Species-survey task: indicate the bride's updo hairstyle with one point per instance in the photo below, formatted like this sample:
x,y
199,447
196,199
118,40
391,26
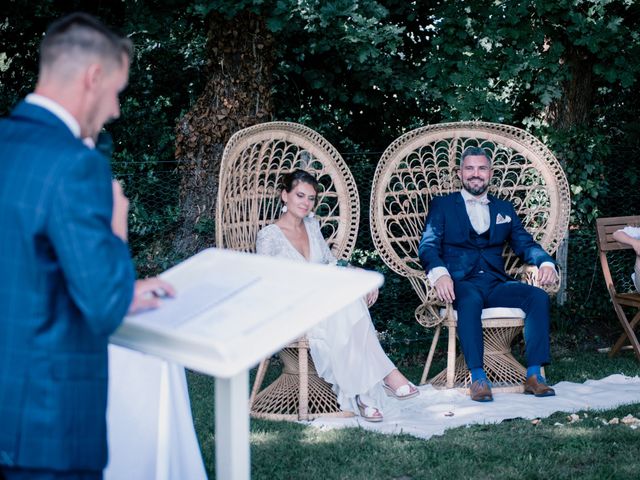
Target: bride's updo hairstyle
x,y
291,179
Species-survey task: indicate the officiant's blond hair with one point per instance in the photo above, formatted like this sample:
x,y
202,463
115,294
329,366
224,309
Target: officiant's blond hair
x,y
79,38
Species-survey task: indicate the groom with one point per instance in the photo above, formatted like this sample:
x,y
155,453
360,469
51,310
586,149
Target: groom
x,y
461,251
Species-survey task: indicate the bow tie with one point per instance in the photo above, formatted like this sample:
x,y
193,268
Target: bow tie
x,y
479,201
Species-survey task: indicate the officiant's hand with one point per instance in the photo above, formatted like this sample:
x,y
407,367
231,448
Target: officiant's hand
x,y
120,211
148,292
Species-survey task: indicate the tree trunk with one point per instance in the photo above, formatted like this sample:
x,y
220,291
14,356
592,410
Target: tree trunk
x,y
237,95
572,110
575,106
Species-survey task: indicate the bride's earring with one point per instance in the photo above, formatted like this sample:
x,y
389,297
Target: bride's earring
x,y
311,215
284,208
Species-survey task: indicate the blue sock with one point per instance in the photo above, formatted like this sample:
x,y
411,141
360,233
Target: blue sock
x,y
533,370
478,374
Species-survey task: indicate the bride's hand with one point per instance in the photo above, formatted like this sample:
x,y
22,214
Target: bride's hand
x,y
371,297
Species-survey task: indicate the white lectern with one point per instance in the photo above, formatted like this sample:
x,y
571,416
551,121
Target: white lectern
x,y
232,310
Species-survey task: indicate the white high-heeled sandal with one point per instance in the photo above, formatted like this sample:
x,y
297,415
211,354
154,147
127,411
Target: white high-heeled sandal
x,y
370,414
404,392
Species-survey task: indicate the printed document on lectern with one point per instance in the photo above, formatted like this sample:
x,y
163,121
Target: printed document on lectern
x,y
234,309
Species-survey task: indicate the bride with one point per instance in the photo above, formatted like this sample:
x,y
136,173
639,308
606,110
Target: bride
x,y
344,347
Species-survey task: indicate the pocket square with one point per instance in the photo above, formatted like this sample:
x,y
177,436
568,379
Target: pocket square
x,y
500,219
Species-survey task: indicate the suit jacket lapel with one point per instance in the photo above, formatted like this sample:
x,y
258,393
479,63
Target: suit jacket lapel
x,y
493,213
461,213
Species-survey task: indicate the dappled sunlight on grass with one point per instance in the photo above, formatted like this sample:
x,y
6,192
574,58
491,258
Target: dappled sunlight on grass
x,y
259,438
315,436
566,431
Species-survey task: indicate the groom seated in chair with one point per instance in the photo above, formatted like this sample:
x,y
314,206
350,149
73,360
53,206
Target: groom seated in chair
x,y
461,251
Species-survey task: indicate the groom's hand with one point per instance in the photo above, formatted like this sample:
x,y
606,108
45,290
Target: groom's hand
x,y
547,276
444,289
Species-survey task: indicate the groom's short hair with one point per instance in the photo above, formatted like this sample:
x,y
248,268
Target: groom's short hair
x,y
474,152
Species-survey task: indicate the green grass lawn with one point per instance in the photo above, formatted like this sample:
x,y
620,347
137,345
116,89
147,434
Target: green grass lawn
x,y
516,449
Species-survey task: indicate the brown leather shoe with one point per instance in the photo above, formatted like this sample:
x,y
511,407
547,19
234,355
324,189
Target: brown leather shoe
x,y
537,385
481,391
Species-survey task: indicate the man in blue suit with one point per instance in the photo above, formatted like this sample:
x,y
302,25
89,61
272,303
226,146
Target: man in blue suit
x,y
461,251
67,278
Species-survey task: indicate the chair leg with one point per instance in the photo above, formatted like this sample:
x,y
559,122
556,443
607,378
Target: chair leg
x,y
427,365
451,357
257,383
628,335
303,366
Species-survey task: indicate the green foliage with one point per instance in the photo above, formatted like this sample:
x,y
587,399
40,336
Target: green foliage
x,y
364,72
165,78
583,153
343,63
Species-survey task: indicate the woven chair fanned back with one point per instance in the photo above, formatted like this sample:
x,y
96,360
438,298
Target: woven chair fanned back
x,y
423,163
253,164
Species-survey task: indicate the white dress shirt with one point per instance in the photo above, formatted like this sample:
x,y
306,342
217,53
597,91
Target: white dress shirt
x,y
57,109
633,232
478,211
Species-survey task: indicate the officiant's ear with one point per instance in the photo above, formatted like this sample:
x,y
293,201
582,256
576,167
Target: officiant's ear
x,y
93,75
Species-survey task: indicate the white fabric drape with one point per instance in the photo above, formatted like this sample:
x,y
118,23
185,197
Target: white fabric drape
x,y
150,428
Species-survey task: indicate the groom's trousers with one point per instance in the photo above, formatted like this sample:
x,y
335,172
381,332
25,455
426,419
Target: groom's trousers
x,y
485,290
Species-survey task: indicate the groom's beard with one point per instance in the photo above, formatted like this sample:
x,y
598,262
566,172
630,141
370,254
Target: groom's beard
x,y
475,190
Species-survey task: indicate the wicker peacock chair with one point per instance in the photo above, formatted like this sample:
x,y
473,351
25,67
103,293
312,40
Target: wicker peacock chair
x,y
253,163
422,164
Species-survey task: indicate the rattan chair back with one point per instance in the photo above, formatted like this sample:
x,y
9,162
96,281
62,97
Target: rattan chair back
x,y
423,163
253,164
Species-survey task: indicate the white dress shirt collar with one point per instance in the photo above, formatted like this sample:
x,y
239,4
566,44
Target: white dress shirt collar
x,y
57,109
483,199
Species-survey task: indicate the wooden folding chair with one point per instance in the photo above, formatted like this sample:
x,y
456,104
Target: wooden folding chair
x,y
616,269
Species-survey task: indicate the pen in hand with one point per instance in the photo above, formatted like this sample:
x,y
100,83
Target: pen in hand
x,y
161,293
148,292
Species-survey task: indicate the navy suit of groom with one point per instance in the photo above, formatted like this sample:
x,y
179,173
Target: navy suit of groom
x,y
66,282
476,266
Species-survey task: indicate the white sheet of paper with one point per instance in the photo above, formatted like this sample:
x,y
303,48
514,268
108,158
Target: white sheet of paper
x,y
194,301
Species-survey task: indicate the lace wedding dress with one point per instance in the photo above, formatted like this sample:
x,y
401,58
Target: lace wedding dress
x,y
344,347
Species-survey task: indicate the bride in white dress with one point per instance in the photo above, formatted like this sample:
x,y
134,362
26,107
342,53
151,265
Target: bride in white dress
x,y
344,347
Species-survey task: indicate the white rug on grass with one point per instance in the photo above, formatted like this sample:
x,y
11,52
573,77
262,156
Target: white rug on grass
x,y
434,411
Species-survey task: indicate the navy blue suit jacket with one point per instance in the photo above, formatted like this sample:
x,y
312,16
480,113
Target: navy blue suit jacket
x,y
65,284
446,238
